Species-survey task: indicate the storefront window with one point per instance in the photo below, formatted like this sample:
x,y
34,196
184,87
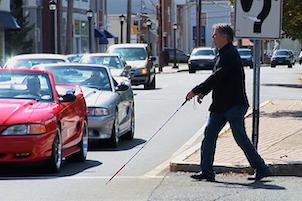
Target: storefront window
x,y
84,28
84,43
77,29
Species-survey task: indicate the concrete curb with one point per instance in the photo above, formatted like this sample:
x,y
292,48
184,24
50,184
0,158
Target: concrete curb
x,y
178,162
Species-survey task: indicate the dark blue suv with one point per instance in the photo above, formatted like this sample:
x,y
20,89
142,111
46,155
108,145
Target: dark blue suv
x,y
283,57
246,57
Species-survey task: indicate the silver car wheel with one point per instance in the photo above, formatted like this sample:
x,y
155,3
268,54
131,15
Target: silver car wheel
x,y
132,122
85,140
116,127
114,139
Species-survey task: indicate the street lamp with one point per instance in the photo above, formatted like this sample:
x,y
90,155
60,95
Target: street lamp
x,y
149,25
89,14
122,20
52,8
174,31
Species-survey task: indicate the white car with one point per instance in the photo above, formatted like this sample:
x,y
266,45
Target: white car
x,y
202,58
30,60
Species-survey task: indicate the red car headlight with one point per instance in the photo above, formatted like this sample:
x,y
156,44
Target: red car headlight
x,y
25,129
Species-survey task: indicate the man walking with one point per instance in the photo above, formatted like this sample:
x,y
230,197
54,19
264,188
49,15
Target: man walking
x,y
229,104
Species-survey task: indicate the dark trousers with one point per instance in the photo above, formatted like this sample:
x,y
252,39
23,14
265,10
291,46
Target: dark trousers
x,y
235,117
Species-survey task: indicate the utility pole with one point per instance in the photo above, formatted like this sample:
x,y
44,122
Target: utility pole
x,y
59,24
198,23
129,11
68,49
160,35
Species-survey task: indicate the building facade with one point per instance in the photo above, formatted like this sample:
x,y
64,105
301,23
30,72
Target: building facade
x,y
213,12
40,16
7,22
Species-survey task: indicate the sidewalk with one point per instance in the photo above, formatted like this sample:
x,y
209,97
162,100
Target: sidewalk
x,y
280,143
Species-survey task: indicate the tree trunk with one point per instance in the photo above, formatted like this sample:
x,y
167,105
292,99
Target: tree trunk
x,y
69,41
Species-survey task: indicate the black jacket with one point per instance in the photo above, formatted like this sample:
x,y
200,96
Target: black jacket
x,y
227,81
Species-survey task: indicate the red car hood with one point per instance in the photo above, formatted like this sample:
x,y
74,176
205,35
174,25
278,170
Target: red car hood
x,y
14,111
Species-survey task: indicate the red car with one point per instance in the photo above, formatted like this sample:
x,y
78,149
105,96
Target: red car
x,y
41,121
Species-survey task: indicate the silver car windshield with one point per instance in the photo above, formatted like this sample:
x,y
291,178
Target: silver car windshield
x,y
25,85
92,77
110,61
28,63
203,52
131,54
245,53
281,53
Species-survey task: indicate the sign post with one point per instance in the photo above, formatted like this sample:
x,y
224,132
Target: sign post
x,y
257,19
256,94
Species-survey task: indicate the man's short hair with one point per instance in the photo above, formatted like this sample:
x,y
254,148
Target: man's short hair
x,y
33,80
225,29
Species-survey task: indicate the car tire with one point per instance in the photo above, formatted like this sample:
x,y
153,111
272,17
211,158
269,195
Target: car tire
x,y
82,154
290,65
130,134
114,139
54,163
251,66
273,66
150,85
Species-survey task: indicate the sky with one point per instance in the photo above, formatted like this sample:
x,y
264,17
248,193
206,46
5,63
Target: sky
x,y
148,6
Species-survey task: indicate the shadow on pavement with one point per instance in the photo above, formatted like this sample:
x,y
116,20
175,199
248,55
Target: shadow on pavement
x,y
253,185
283,113
299,86
123,145
142,89
38,171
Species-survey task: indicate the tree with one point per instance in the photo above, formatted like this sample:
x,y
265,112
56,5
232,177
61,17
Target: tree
x,y
291,19
16,41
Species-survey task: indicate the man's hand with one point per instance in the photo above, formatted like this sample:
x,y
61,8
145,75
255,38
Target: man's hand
x,y
190,95
199,98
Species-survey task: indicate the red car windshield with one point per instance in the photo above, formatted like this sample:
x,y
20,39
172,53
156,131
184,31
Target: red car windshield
x,y
25,85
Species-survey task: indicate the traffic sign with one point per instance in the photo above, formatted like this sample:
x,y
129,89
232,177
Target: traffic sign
x,y
258,18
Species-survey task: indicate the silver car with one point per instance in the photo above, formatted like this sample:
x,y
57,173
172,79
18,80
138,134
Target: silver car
x,y
114,62
110,104
202,58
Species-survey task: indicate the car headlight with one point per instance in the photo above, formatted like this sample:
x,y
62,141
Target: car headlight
x,y
144,71
25,129
98,111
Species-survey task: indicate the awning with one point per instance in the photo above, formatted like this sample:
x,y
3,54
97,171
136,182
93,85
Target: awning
x,y
8,21
108,34
244,42
102,37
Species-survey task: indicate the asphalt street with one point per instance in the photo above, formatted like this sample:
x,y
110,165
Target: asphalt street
x,y
153,107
